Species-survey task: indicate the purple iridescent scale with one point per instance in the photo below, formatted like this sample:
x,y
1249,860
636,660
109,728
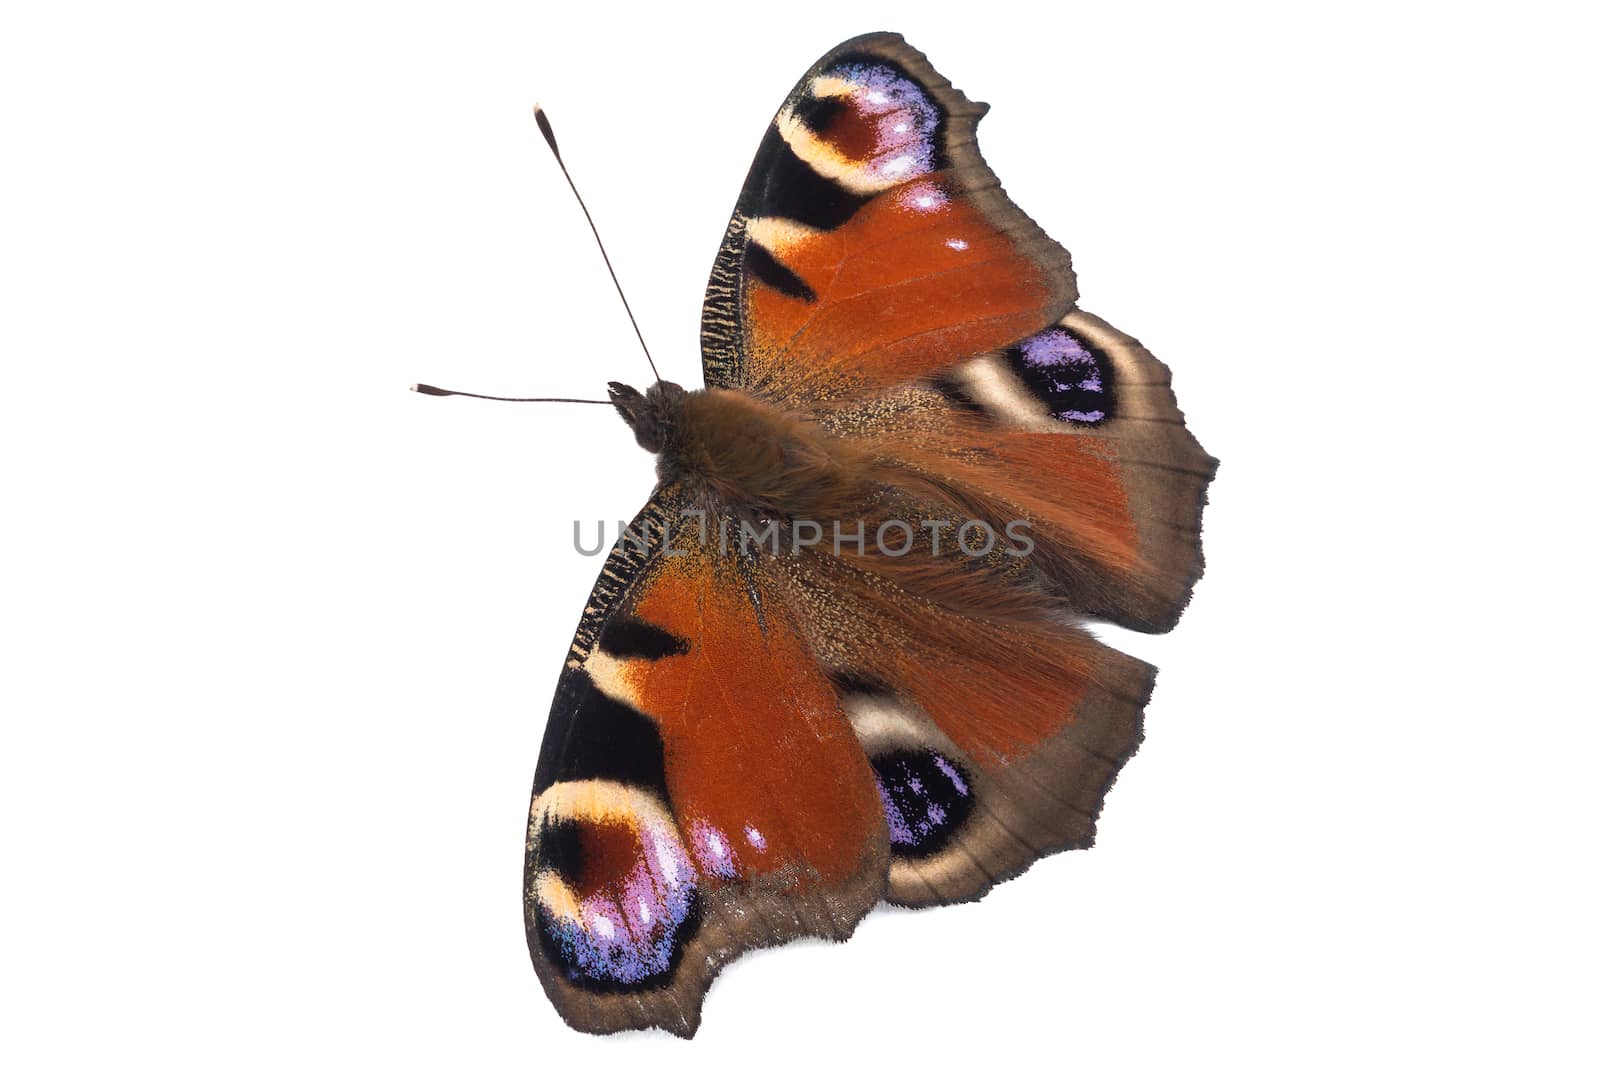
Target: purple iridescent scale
x,y
925,798
632,936
905,120
1073,380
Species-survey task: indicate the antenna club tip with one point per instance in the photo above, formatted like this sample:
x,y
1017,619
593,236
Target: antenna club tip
x,y
429,390
548,133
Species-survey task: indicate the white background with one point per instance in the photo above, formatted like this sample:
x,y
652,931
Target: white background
x,y
279,635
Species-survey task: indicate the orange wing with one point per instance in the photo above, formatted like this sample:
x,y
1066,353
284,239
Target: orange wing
x,y
871,244
700,791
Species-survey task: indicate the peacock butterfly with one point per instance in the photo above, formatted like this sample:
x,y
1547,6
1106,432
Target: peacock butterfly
x,y
838,656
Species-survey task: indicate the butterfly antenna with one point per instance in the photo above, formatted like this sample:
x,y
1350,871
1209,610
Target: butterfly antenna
x,y
550,139
434,390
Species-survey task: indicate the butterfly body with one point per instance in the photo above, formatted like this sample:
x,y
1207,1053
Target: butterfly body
x,y
743,458
838,657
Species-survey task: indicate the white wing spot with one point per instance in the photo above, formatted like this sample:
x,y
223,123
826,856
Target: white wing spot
x,y
897,166
669,862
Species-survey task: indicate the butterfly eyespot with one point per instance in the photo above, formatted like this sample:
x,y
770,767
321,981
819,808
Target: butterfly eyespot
x,y
614,892
894,119
819,112
1071,378
926,797
862,123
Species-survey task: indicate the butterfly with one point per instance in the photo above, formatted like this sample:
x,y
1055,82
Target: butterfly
x,y
838,658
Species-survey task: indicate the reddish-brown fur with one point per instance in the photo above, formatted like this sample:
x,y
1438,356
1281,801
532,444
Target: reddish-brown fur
x,y
748,459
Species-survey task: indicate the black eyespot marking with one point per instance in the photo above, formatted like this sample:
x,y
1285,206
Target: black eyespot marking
x,y
760,263
1071,377
818,112
560,848
628,638
926,797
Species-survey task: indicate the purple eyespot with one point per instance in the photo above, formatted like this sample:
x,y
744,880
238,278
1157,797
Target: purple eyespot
x,y
926,798
1073,379
624,932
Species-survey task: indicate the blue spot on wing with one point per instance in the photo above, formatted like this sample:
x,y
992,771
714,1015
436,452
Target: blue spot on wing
x,y
1073,379
926,798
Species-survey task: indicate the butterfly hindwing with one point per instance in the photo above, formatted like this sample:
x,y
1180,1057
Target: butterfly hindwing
x,y
993,736
1075,431
1083,390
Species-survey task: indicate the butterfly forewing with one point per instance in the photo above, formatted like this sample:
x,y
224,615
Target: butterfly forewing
x,y
871,244
701,790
